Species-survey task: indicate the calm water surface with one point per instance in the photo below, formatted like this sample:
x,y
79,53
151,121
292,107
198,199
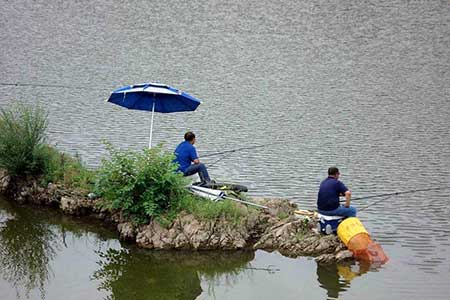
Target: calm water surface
x,y
361,85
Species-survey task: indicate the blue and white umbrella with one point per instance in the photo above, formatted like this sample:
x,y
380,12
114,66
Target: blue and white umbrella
x,y
153,97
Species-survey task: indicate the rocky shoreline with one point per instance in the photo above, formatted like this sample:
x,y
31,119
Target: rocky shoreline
x,y
280,230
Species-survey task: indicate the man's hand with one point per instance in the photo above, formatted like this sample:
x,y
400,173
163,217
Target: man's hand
x,y
196,161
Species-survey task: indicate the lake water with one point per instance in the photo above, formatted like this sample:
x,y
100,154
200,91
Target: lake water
x,y
362,85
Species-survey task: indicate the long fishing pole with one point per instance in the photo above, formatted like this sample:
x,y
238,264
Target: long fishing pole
x,y
373,203
400,193
389,195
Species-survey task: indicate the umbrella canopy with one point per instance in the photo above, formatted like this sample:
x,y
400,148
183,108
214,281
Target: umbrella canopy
x,y
153,97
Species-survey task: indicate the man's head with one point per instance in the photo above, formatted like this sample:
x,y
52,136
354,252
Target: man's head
x,y
189,137
334,172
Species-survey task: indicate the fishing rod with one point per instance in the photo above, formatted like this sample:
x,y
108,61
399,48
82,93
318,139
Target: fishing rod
x,y
400,193
389,195
373,203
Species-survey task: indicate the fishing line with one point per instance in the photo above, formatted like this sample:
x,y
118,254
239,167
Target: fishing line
x,y
18,84
215,162
228,153
234,150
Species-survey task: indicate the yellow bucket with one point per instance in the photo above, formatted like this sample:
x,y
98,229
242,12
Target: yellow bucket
x,y
350,227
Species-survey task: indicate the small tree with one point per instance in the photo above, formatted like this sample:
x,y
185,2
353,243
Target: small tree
x,y
22,137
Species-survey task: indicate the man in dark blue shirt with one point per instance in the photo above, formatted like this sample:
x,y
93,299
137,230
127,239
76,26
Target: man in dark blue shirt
x,y
185,154
329,192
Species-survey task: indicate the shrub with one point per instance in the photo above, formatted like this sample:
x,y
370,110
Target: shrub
x,y
142,184
22,148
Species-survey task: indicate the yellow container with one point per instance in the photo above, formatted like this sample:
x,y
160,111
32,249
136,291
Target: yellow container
x,y
349,228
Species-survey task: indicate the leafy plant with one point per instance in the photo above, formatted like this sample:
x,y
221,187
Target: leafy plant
x,y
142,184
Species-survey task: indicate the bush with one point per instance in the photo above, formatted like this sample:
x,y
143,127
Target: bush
x,y
142,184
22,148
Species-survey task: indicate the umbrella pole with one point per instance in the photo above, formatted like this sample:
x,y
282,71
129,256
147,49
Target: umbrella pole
x,y
151,127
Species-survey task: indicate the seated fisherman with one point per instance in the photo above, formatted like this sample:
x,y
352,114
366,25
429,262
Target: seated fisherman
x,y
329,192
185,153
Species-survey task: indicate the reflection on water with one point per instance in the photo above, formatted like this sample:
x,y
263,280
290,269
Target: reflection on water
x,y
141,274
39,246
27,245
335,278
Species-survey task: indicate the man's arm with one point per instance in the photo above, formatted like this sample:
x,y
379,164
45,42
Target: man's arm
x,y
194,156
348,197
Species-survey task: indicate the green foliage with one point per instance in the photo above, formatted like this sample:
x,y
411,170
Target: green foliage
x,y
141,184
67,170
22,148
282,215
304,229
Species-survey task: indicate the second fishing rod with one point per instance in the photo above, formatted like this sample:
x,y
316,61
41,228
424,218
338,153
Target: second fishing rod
x,y
386,196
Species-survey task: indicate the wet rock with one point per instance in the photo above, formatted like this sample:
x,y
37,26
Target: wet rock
x,y
4,181
340,256
75,206
326,258
343,255
127,231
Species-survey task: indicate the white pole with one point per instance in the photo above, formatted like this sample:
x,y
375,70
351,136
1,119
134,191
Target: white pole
x,y
151,126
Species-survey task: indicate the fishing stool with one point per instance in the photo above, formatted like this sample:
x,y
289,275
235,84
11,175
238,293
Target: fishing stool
x,y
328,224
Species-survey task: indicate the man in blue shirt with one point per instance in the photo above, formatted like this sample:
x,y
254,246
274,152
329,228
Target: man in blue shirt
x,y
185,154
329,192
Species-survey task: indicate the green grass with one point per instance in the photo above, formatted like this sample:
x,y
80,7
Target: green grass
x,y
62,168
205,209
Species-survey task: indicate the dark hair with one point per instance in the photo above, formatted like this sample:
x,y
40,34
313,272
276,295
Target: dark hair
x,y
333,171
189,136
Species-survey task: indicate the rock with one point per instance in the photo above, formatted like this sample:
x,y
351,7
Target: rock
x,y
325,258
75,206
5,179
127,231
343,255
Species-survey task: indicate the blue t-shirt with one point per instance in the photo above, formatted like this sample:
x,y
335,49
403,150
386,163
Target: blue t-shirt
x,y
185,153
329,192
